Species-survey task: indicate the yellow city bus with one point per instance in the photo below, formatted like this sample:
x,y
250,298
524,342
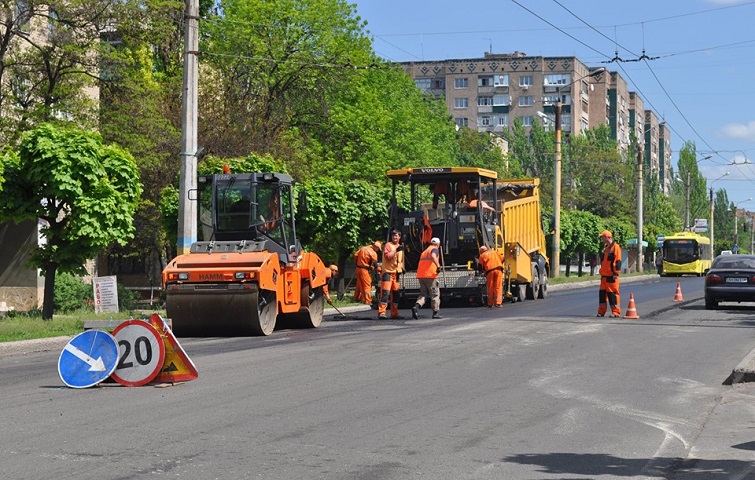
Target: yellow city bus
x,y
686,253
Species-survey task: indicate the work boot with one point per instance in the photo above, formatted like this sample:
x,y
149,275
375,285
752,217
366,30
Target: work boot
x,y
436,315
396,317
415,309
599,315
382,317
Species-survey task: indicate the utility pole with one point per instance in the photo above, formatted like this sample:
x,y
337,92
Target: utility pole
x,y
639,211
556,256
686,210
712,238
187,209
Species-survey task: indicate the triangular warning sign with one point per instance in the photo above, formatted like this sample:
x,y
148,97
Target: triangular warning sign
x,y
177,367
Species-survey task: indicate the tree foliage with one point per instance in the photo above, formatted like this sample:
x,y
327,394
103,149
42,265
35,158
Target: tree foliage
x,y
381,121
85,192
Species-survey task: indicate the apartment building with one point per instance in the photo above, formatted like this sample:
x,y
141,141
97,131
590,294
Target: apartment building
x,y
664,156
486,94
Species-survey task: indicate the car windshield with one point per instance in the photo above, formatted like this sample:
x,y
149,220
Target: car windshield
x,y
735,261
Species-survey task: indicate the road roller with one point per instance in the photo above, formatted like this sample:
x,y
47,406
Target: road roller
x,y
247,272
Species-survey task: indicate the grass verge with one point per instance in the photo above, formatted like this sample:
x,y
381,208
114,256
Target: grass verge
x,y
22,326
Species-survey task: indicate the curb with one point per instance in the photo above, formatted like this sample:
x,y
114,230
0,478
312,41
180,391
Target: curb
x,y
22,347
745,371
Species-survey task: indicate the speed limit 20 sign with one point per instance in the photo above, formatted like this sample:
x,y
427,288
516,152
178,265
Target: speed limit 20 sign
x,y
141,353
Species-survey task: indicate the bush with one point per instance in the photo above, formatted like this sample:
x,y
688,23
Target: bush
x,y
72,294
126,298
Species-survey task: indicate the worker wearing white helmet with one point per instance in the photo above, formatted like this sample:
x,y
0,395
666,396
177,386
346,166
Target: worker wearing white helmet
x,y
427,275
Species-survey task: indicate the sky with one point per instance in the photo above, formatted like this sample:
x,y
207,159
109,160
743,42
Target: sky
x,y
700,82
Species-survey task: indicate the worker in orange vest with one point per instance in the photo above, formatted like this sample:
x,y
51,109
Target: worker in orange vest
x,y
610,266
491,263
427,275
330,272
393,266
365,259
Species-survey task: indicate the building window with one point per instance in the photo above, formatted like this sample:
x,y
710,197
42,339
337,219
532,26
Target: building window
x,y
483,121
462,122
462,102
423,83
485,81
461,83
526,81
484,101
526,120
501,80
551,99
556,79
438,84
526,101
501,100
503,120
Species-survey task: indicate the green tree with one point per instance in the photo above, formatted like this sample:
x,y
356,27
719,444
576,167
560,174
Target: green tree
x,y
600,180
270,67
85,192
579,236
690,183
723,221
380,121
340,217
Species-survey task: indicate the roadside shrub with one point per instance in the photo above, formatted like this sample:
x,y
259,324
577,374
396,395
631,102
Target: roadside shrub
x,y
72,294
126,299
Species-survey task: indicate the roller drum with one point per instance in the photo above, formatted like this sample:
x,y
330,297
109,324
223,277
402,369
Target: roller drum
x,y
221,310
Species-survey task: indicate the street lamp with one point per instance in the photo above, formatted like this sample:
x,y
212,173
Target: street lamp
x,y
712,238
556,255
736,222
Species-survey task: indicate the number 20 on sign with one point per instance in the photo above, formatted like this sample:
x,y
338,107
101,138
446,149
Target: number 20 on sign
x,y
141,353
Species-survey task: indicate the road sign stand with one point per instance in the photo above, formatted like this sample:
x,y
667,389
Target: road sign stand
x,y
178,367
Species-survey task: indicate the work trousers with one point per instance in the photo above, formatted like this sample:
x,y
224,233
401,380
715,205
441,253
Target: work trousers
x,y
363,292
609,295
494,281
429,288
389,285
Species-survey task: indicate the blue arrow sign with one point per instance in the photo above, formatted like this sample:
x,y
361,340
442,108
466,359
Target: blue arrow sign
x,y
88,359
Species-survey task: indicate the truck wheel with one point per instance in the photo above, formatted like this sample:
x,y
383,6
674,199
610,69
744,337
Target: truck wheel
x,y
543,292
533,288
518,293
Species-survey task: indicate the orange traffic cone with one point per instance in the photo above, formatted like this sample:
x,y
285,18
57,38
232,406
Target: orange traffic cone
x,y
678,296
631,309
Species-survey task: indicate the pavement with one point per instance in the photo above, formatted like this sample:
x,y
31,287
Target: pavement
x,y
723,449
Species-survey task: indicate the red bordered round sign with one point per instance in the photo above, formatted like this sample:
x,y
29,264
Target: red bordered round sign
x,y
141,353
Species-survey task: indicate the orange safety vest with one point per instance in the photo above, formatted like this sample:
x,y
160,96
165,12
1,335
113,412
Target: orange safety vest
x,y
393,260
610,263
427,267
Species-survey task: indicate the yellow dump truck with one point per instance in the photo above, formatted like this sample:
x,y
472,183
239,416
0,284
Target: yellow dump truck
x,y
522,239
467,207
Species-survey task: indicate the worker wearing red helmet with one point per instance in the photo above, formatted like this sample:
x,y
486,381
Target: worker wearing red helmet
x,y
610,266
366,259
